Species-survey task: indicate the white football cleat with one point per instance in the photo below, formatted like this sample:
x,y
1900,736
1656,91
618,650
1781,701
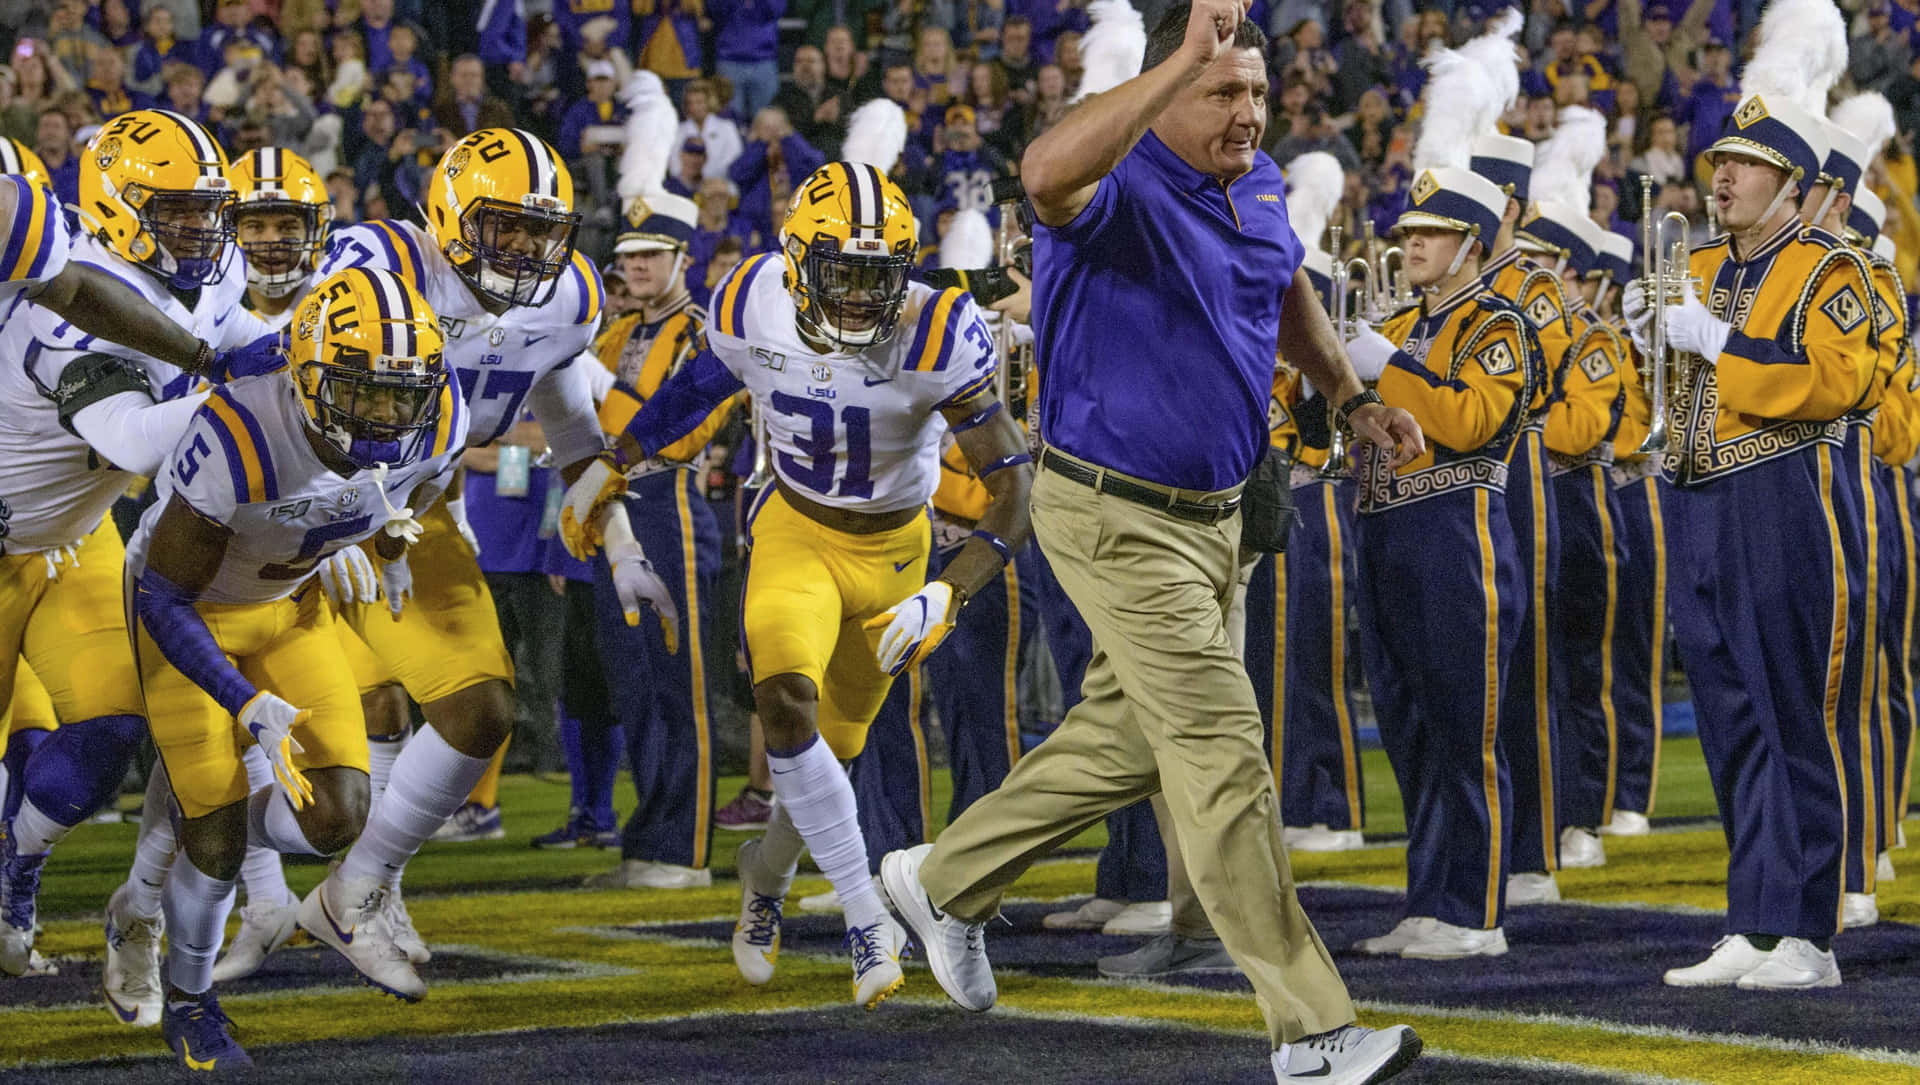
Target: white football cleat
x,y
1580,849
1349,1055
956,950
1627,823
1732,957
1446,942
130,982
264,927
1090,916
1794,965
1532,889
1318,837
1405,933
1142,917
400,926
876,961
1858,910
756,936
347,916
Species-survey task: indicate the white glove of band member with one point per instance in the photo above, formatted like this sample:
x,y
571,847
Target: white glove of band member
x,y
1637,311
913,627
597,487
1307,390
1691,328
635,583
396,584
271,722
457,508
347,577
1370,352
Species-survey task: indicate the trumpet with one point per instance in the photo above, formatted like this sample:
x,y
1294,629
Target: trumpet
x,y
1348,317
1012,248
1667,281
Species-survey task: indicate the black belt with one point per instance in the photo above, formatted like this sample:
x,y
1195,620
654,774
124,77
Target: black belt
x,y
1198,512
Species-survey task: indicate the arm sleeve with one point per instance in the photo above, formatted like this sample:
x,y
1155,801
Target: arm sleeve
x,y
562,401
1830,372
1589,411
1465,412
182,634
241,329
683,402
132,432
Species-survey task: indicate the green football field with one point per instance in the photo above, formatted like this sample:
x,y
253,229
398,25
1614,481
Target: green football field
x,y
535,976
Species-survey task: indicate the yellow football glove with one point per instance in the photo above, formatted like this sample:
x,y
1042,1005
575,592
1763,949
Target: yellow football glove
x,y
598,486
913,628
271,722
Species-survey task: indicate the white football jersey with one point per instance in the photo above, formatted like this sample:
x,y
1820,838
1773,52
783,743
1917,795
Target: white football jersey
x,y
497,360
55,488
857,430
245,462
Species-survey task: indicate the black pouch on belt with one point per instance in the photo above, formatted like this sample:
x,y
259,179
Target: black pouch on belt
x,y
1266,504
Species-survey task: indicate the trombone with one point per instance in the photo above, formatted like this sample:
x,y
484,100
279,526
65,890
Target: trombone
x,y
1669,283
1347,319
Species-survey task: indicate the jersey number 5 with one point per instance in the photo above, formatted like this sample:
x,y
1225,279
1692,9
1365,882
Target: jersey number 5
x,y
817,471
312,547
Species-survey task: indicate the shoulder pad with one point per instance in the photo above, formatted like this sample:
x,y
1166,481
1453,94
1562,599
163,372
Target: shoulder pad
x,y
382,244
249,462
936,328
728,305
590,294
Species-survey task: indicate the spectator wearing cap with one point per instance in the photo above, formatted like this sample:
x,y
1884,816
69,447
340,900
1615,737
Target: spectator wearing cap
x,y
1876,58
1655,48
774,161
1711,101
464,105
702,121
598,108
157,47
963,167
668,40
746,49
689,166
817,107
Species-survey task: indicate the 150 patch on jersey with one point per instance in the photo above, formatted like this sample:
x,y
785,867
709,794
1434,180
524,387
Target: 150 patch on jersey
x,y
1844,309
1496,358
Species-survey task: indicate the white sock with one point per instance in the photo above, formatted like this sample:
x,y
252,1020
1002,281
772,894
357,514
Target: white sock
x,y
819,798
430,780
153,852
197,907
780,845
260,872
271,824
382,752
34,833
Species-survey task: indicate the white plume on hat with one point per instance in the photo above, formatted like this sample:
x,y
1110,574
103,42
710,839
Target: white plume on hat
x,y
1467,90
651,126
876,134
1799,55
1315,183
1114,47
969,241
1563,166
1869,117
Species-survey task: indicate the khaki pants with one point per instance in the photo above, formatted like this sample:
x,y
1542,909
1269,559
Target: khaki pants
x,y
1168,709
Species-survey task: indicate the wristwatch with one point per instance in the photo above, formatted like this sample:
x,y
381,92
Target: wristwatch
x,y
1345,410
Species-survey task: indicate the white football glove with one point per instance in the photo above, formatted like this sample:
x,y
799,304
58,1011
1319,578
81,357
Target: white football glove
x,y
1691,328
634,581
271,722
1370,352
396,583
348,577
913,628
1637,311
596,487
457,508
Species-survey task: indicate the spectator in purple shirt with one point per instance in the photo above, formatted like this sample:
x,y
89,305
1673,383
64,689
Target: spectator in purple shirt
x,y
1707,108
776,158
157,47
466,106
53,142
598,108
231,23
746,48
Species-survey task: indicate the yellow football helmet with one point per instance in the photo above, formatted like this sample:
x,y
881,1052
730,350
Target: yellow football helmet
x,y
18,158
849,238
277,190
500,206
367,366
154,188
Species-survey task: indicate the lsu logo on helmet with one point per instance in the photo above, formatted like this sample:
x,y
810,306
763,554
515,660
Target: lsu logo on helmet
x,y
500,206
282,218
849,239
154,189
367,367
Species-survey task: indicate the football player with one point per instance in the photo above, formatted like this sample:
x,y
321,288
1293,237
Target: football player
x,y
281,222
517,305
235,646
96,397
859,372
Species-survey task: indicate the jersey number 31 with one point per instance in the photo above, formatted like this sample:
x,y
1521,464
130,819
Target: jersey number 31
x,y
816,471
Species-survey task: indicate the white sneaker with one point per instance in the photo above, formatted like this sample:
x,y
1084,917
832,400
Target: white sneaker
x,y
1732,957
1446,942
821,903
671,876
1794,965
400,926
1142,917
1580,849
265,926
1899,837
1320,838
756,936
1531,889
1627,823
1883,867
1858,910
876,961
1090,916
348,917
956,950
1350,1055
1404,934
130,981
